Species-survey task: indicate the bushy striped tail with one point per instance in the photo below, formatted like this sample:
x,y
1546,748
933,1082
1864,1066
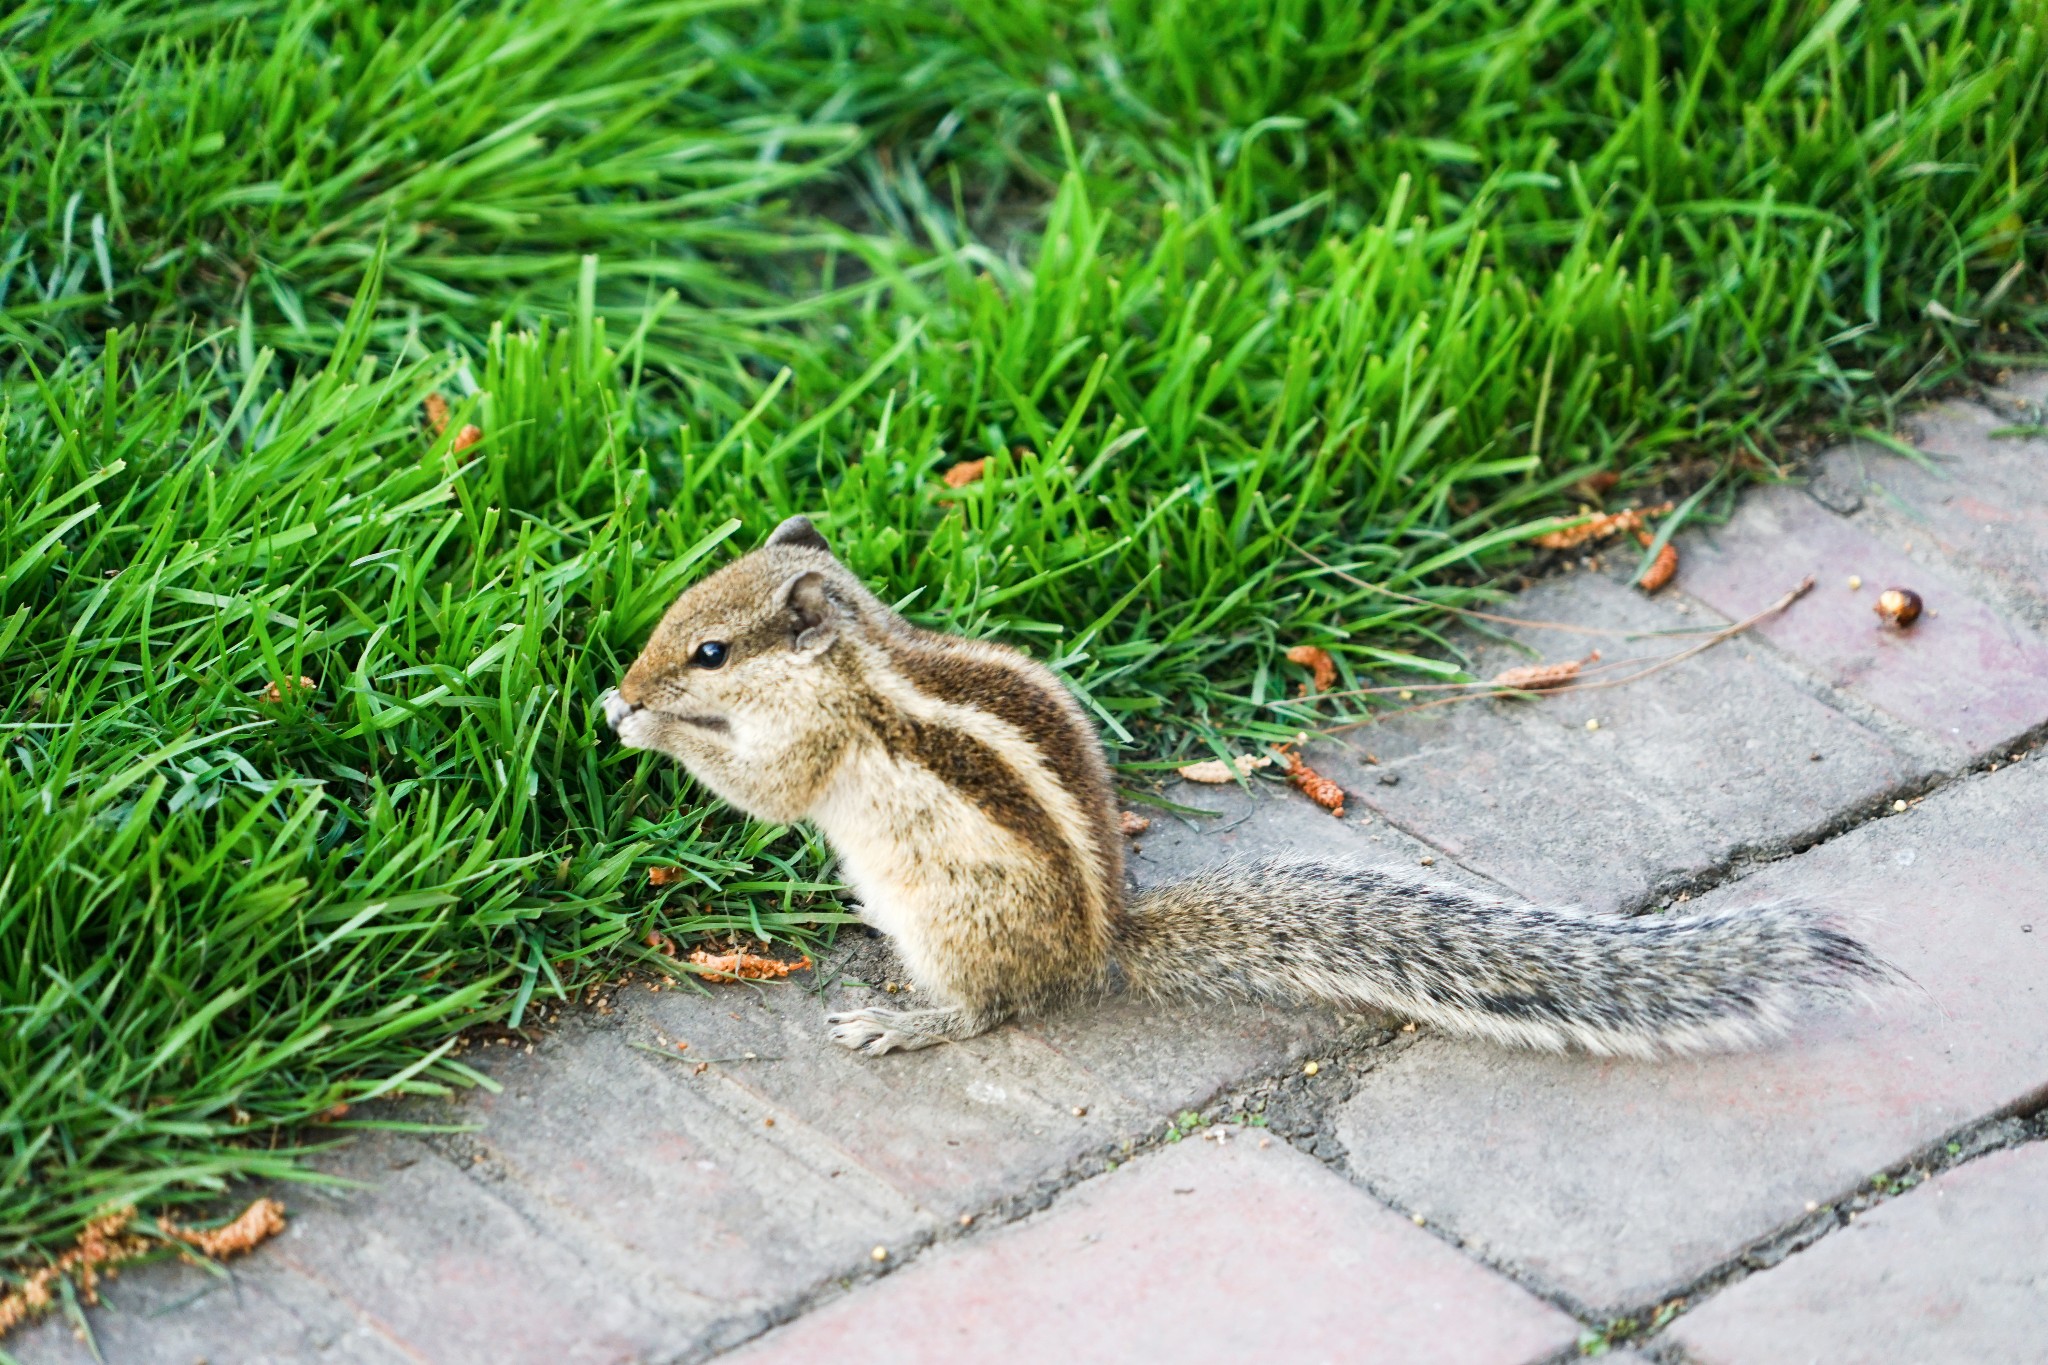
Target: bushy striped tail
x,y
1305,932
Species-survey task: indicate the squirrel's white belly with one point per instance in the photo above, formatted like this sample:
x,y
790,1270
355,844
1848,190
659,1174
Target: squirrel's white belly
x,y
916,852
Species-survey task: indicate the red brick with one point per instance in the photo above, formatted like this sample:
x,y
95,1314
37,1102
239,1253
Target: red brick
x,y
1616,1182
1976,500
1964,676
1952,1270
1198,1253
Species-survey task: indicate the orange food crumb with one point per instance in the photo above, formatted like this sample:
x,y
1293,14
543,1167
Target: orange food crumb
x,y
1313,784
104,1244
1662,568
257,1224
964,473
1318,660
437,413
467,437
1600,527
663,876
745,966
274,693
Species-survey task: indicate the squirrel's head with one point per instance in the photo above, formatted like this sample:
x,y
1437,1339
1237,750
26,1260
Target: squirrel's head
x,y
737,680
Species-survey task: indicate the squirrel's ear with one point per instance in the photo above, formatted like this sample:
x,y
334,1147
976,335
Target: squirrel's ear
x,y
799,532
814,614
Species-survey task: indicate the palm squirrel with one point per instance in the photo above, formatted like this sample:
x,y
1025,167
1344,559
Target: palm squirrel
x,y
967,796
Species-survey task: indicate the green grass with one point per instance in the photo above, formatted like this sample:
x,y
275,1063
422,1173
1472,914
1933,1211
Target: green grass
x,y
1202,281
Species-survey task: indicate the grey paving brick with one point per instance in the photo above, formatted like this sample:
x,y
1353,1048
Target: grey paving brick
x,y
1202,1252
1728,745
1954,1270
420,1264
1522,801
1977,499
1617,1182
1742,754
436,1264
1165,1058
952,1129
1689,767
726,1208
1966,677
176,1314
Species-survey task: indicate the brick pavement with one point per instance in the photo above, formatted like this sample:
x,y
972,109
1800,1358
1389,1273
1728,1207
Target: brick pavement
x,y
1212,1249
609,1202
1955,1270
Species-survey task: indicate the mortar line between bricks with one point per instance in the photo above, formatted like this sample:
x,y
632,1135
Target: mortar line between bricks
x,y
2019,1124
1743,861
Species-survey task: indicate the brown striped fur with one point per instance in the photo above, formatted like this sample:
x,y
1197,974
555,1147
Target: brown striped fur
x,y
966,794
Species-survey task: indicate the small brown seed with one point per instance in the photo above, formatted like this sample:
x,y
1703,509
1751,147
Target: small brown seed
x,y
1899,607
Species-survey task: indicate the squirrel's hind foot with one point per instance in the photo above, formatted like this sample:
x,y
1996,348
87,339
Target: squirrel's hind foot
x,y
876,1031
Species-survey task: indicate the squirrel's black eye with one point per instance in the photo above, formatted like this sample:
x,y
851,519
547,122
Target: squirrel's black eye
x,y
710,654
